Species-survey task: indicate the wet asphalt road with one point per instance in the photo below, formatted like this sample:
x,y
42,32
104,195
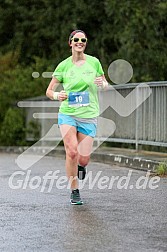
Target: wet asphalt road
x,y
112,219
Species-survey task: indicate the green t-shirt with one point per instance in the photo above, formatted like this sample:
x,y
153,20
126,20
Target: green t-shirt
x,y
78,79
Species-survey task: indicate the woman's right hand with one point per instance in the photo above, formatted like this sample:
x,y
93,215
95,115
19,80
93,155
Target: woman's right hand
x,y
62,95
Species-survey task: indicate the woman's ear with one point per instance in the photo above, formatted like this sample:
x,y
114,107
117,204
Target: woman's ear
x,y
69,43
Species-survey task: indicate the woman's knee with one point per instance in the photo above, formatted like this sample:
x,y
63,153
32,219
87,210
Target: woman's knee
x,y
83,160
71,152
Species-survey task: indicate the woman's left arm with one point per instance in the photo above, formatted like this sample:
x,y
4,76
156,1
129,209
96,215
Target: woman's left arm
x,y
101,82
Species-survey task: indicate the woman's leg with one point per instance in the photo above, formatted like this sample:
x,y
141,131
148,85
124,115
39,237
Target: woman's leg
x,y
69,135
85,145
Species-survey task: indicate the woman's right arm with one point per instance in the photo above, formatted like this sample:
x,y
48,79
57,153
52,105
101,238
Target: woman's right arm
x,y
51,94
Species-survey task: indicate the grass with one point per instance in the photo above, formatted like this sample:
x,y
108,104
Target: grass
x,y
161,169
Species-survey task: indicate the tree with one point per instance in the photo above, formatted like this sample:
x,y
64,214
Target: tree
x,y
139,34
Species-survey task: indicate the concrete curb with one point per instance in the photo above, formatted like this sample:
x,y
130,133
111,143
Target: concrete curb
x,y
126,161
138,163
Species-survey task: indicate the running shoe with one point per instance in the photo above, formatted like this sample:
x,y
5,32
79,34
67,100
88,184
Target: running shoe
x,y
75,198
81,172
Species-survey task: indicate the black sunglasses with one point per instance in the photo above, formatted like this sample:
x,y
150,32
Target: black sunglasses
x,y
83,40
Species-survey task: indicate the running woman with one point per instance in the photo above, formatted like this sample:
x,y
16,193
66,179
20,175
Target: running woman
x,y
80,75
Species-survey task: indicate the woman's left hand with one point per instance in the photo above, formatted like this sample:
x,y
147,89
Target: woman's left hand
x,y
99,81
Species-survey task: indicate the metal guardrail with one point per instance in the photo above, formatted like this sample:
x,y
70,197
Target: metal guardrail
x,y
146,125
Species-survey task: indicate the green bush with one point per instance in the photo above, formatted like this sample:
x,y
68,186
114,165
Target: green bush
x,y
13,128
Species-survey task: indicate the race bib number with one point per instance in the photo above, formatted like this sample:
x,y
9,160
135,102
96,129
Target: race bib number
x,y
77,99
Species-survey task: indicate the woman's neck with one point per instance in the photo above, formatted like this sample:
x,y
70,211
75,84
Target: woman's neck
x,y
76,56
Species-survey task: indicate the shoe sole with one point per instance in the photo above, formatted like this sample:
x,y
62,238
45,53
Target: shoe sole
x,y
76,203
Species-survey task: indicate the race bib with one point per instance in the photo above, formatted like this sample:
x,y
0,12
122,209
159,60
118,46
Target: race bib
x,y
77,99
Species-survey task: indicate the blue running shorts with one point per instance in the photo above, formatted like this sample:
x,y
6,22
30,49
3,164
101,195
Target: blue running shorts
x,y
82,127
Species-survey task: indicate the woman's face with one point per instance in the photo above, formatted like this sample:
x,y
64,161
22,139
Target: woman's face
x,y
78,42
